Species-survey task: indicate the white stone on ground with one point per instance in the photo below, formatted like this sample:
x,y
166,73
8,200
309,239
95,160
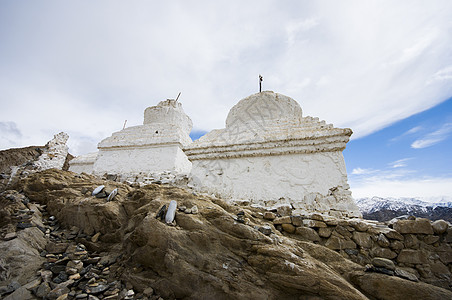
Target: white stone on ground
x,y
171,212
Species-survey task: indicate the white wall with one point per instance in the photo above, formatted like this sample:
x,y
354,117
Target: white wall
x,y
133,160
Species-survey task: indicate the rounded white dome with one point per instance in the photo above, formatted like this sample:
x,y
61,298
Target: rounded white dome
x,y
264,109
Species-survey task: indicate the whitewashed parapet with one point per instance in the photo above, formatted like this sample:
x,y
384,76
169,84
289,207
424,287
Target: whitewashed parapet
x,y
271,155
83,163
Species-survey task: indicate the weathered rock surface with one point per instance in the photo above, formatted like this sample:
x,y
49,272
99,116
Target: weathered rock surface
x,y
206,255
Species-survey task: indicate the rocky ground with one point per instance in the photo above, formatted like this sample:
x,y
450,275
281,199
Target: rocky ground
x,y
60,242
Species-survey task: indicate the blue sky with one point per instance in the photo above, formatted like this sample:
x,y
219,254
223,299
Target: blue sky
x,y
376,66
409,158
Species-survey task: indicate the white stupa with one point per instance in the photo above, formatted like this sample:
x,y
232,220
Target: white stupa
x,y
271,155
156,146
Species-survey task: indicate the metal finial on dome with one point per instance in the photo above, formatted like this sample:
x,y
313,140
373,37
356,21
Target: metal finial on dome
x,y
260,82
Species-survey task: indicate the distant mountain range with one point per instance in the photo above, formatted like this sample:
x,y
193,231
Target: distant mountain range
x,y
385,209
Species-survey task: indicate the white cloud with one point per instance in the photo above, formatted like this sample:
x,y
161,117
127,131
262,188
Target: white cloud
x,y
85,67
433,137
414,130
295,28
430,187
398,181
400,163
360,171
443,74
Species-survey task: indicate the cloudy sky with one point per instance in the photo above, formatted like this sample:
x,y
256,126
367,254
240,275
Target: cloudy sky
x,y
381,68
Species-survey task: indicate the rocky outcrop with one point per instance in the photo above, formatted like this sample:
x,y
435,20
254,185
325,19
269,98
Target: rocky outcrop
x,y
18,157
215,250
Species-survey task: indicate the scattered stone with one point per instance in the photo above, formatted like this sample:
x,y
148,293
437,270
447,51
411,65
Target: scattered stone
x,y
382,240
10,236
317,217
112,195
95,237
182,208
148,292
392,234
359,225
76,264
171,213
98,190
313,223
268,215
20,294
396,245
284,210
384,271
161,213
343,231
75,276
297,221
412,257
56,248
43,290
282,220
60,289
63,297
431,239
362,239
383,263
96,289
405,275
383,252
419,225
411,241
81,296
46,275
129,294
57,269
33,284
308,233
103,194
267,230
23,225
325,232
440,226
289,228
194,209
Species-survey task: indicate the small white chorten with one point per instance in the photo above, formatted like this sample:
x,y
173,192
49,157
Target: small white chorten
x,y
156,146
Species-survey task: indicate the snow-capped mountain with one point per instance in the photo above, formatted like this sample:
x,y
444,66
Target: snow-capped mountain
x,y
384,209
